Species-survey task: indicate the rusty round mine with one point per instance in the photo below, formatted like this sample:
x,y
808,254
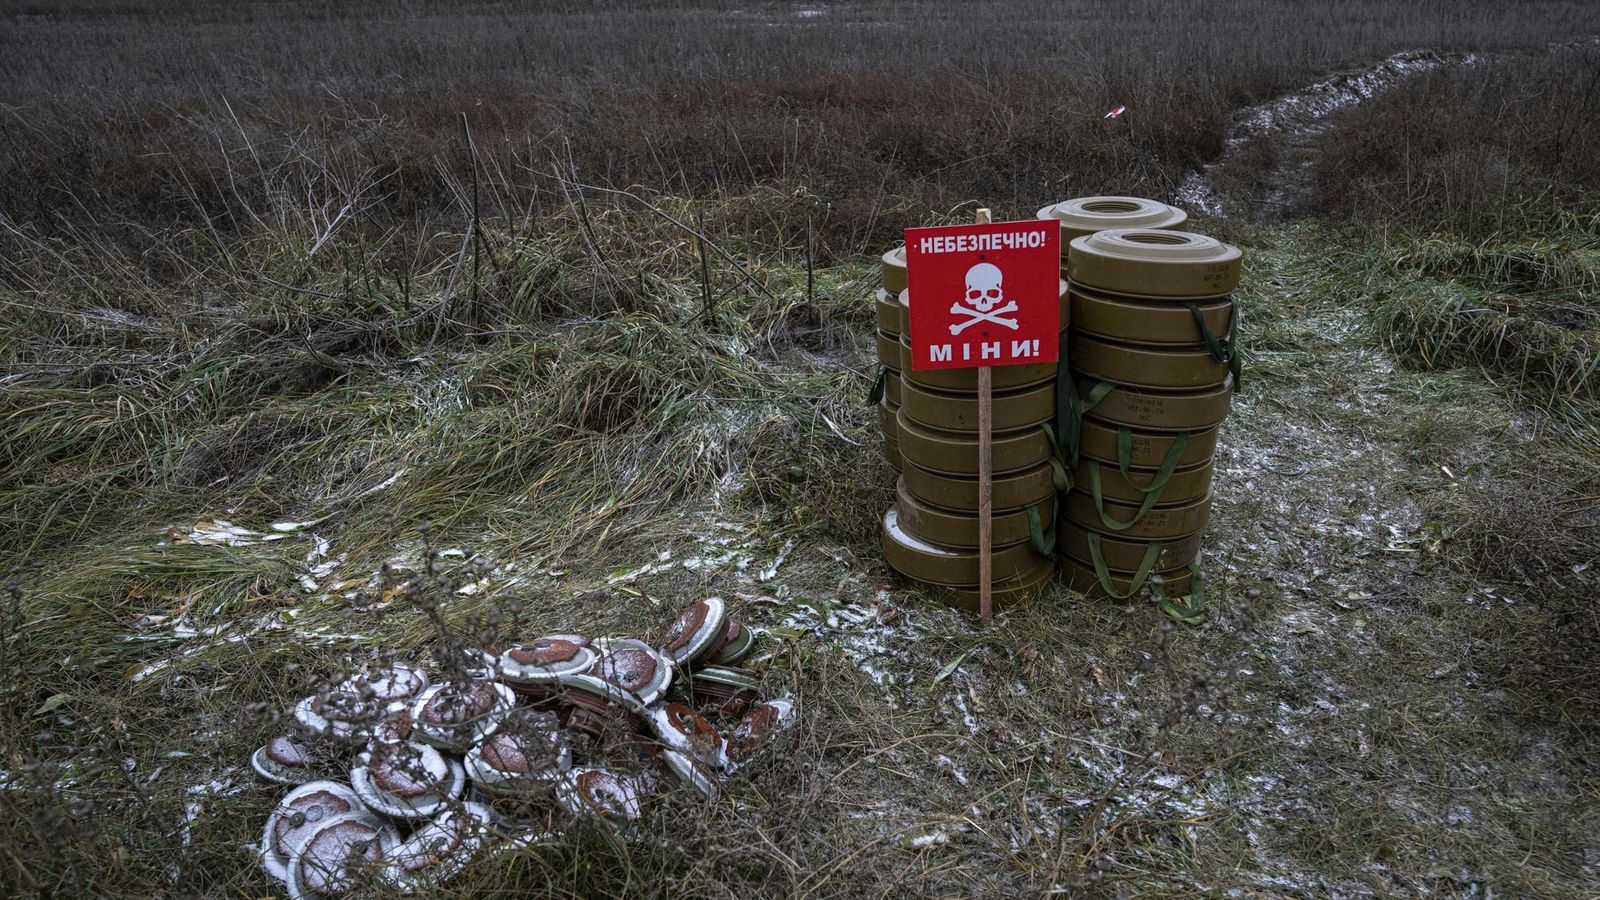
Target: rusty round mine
x,y
596,704
1015,409
696,629
960,529
919,560
888,349
727,689
1147,367
388,684
1153,410
681,728
956,453
1125,555
629,668
1157,523
1082,578
1147,449
1143,262
297,816
888,311
1005,592
1087,215
544,652
1157,322
438,850
338,854
407,780
965,381
894,270
1181,486
736,644
285,760
609,797
758,730
959,493
453,716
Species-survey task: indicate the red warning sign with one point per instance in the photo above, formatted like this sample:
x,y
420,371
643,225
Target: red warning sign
x,y
984,295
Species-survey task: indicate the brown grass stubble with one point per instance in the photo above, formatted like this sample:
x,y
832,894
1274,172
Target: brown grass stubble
x,y
1465,149
130,118
866,154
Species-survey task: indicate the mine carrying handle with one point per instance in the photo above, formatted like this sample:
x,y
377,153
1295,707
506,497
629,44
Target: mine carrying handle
x,y
1225,351
1193,610
1102,572
1152,492
1190,612
1043,541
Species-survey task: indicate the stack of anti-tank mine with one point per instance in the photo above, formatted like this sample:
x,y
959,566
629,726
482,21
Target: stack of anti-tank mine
x,y
890,332
930,534
1152,369
1103,462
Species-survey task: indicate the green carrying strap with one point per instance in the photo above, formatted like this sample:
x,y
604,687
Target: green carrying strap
x,y
1152,491
1225,351
1069,424
1190,610
1058,469
875,395
1042,541
1103,574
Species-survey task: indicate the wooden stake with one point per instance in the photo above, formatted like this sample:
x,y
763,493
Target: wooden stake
x,y
985,481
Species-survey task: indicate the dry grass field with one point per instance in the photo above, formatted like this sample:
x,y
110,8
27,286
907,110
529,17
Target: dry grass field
x,y
425,280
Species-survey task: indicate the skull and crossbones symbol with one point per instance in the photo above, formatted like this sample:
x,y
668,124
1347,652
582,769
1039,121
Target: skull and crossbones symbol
x,y
984,298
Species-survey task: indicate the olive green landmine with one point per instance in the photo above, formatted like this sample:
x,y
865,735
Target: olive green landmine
x,y
1181,486
948,528
1153,410
956,453
1146,367
892,386
888,308
1161,523
1003,593
947,411
1082,578
1146,449
1138,262
959,493
916,558
894,270
1083,216
889,424
888,349
1124,555
1139,320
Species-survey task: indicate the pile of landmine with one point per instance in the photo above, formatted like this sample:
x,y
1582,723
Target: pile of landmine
x,y
1102,461
557,726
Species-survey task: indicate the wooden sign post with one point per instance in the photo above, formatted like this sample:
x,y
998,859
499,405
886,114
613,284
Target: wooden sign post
x,y
984,295
985,479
